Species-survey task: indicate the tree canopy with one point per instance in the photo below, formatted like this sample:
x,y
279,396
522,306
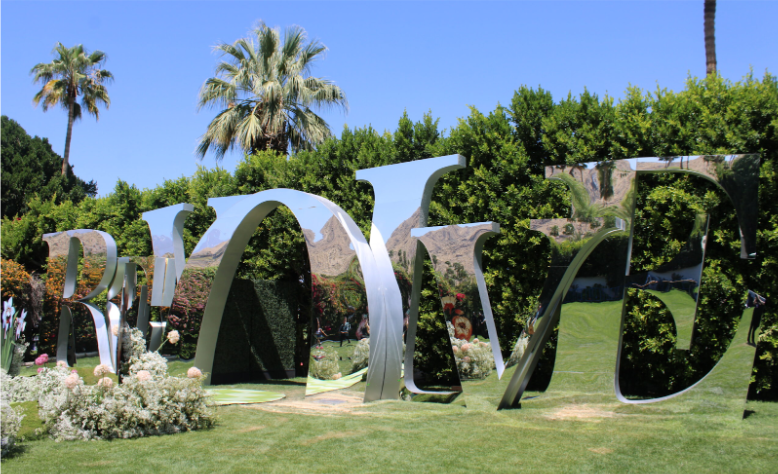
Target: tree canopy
x,y
31,168
269,94
72,74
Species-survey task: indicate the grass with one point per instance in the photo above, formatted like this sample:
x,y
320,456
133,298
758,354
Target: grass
x,y
565,434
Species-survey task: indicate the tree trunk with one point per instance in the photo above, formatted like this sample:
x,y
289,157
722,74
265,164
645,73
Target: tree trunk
x,y
65,160
710,36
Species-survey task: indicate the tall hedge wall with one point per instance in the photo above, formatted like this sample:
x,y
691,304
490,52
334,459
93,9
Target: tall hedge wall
x,y
506,150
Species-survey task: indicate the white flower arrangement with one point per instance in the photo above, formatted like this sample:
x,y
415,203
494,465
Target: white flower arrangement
x,y
150,362
147,402
10,417
474,359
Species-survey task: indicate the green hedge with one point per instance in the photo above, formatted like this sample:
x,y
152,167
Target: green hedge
x,y
507,150
258,337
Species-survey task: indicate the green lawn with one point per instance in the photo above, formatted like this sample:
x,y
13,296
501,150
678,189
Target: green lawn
x,y
295,435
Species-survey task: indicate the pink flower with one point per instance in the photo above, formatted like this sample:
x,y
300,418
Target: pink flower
x,y
483,344
62,363
101,370
466,359
173,336
105,382
466,347
337,376
40,369
72,381
194,373
456,349
45,357
74,371
144,375
475,341
39,361
460,296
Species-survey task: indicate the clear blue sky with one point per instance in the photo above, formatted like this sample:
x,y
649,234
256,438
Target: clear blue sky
x,y
387,57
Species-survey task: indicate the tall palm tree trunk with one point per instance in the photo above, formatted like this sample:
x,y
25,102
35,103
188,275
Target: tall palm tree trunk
x,y
65,161
710,36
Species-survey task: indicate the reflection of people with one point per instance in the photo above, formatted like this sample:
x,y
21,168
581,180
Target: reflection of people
x,y
363,330
758,303
531,325
319,334
344,330
405,322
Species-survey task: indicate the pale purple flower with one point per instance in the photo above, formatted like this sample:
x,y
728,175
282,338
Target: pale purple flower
x,y
194,373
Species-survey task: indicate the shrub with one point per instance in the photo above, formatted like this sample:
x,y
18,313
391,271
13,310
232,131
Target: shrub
x,y
324,364
361,355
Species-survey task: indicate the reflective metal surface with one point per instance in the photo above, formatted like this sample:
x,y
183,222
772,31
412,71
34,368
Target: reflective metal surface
x,y
585,297
737,175
455,251
590,314
725,388
677,283
402,197
205,282
66,288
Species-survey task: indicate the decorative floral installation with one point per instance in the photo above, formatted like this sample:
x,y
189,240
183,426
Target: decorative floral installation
x,y
474,359
147,402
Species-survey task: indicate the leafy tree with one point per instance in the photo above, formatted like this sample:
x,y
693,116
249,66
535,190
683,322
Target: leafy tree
x,y
73,73
30,168
268,93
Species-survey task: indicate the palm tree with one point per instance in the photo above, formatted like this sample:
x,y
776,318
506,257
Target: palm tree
x,y
268,93
72,74
710,37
